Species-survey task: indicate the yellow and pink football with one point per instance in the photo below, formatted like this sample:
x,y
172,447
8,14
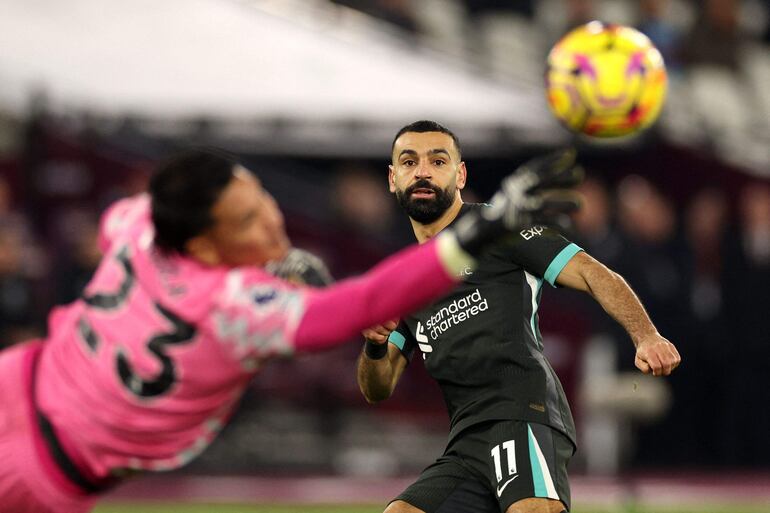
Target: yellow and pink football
x,y
605,80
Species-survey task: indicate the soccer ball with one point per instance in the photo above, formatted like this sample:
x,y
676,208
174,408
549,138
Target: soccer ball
x,y
605,80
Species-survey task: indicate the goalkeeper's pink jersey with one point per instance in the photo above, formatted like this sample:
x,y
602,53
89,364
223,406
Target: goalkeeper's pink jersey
x,y
145,369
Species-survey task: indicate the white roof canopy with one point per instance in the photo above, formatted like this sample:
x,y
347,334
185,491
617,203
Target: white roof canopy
x,y
242,60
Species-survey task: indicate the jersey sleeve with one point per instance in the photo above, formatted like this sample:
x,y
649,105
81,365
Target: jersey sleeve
x,y
541,251
397,286
265,316
120,217
402,338
256,315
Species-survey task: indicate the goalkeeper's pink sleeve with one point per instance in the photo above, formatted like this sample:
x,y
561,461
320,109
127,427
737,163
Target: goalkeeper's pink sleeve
x,y
396,287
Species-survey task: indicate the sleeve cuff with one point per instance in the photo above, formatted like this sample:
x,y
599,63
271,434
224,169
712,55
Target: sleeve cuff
x,y
558,263
397,339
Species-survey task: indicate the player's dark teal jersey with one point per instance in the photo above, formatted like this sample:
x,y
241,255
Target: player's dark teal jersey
x,y
482,342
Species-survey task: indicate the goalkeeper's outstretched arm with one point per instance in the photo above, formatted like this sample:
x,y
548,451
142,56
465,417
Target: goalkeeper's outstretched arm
x,y
397,286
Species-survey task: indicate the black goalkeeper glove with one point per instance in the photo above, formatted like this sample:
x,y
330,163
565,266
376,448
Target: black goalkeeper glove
x,y
538,189
301,267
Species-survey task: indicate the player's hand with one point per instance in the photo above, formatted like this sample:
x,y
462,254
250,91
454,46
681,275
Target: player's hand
x,y
538,187
379,334
301,267
536,190
656,355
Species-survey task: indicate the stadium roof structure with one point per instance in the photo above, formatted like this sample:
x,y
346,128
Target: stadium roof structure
x,y
251,65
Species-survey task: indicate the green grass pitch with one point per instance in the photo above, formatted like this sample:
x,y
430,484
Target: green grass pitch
x,y
234,508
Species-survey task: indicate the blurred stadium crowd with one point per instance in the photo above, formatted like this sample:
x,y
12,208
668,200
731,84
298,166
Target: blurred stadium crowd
x,y
712,49
687,224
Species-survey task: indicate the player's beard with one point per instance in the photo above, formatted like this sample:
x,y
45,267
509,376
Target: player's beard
x,y
425,211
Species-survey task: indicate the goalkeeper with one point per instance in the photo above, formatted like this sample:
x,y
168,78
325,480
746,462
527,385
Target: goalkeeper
x,y
142,372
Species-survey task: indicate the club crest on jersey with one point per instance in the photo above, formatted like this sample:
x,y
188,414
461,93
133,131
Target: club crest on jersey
x,y
422,339
530,233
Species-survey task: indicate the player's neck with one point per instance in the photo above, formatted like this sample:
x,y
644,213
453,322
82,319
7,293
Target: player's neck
x,y
425,232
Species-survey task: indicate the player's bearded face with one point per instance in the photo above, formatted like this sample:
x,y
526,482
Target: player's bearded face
x,y
426,174
422,209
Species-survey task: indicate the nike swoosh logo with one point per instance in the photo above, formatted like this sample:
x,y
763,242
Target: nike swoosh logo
x,y
501,488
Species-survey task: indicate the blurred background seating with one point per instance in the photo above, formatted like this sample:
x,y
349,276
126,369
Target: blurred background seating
x,y
683,212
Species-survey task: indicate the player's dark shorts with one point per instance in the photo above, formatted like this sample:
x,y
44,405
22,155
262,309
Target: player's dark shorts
x,y
490,466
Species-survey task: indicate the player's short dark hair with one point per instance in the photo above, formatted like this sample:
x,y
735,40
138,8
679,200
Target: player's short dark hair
x,y
183,189
425,125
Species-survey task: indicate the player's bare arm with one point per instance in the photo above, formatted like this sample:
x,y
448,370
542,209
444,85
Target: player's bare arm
x,y
378,377
654,353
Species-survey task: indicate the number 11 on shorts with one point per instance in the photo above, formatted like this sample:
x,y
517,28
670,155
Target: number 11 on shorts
x,y
510,455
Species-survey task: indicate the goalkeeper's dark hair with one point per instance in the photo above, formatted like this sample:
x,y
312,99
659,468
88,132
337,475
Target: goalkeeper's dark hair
x,y
183,189
423,126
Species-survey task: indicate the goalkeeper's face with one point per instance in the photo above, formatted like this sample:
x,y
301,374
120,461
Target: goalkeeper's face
x,y
426,175
248,226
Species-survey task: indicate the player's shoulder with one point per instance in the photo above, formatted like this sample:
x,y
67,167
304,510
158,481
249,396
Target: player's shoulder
x,y
469,207
526,233
201,291
253,286
126,211
122,216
